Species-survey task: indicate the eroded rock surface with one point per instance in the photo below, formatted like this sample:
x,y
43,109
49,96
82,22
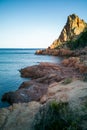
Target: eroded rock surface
x,y
63,52
48,82
42,76
19,116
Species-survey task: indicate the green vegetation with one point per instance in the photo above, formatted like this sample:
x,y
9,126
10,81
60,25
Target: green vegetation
x,y
56,116
67,81
81,42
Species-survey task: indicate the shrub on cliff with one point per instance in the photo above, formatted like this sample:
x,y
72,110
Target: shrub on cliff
x,y
67,81
81,42
56,116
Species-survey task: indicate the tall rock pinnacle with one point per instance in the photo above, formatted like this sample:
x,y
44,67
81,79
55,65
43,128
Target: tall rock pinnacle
x,y
73,28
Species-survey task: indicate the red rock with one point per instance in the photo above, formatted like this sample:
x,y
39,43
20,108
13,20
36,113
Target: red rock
x,y
43,99
65,62
65,52
82,68
39,52
42,76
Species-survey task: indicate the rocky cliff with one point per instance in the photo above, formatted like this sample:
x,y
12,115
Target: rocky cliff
x,y
73,28
65,83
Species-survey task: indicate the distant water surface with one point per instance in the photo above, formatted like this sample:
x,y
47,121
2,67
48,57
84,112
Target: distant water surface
x,y
11,61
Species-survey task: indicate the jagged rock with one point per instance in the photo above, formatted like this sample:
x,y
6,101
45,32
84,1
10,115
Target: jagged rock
x,y
39,52
65,52
73,28
71,61
73,36
56,52
76,63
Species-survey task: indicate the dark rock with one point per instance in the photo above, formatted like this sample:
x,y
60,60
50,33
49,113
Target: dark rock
x,y
26,93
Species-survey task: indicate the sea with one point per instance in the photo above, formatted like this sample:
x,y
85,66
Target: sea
x,y
11,61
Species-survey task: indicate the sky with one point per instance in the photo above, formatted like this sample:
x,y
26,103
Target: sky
x,y
35,23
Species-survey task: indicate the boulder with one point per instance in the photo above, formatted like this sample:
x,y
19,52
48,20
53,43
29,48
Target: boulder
x,y
39,52
76,63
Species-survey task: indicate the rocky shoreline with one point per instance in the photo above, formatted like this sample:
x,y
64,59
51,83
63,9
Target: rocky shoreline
x,y
64,83
42,76
64,52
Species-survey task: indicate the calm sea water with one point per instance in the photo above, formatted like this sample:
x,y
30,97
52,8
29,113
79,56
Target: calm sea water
x,y
11,61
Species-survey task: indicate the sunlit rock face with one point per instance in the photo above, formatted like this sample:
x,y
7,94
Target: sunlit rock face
x,y
73,28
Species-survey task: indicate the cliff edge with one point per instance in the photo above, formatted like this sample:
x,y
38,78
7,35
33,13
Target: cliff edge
x,y
73,28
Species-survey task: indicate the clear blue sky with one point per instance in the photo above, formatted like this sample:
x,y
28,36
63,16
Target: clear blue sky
x,y
35,23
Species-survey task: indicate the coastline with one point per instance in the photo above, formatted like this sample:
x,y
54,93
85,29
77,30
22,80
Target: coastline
x,y
11,61
62,82
56,95
22,115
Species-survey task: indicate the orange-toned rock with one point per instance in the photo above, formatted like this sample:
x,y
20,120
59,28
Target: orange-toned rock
x,y
65,62
76,63
82,68
71,62
65,52
43,99
73,28
56,53
39,52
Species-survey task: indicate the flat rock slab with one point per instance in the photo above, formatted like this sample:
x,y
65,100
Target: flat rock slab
x,y
19,116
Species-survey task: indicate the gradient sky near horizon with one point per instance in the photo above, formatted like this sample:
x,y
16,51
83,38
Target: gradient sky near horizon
x,y
35,23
